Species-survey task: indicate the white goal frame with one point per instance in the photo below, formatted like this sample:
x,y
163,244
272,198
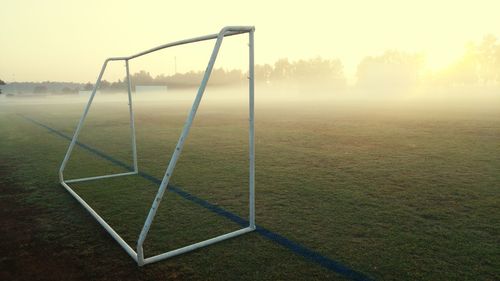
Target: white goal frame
x,y
138,255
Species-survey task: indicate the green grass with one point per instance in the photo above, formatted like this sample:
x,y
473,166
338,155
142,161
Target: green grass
x,y
400,194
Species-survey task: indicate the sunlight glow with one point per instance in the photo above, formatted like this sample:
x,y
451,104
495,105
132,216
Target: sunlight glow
x,y
68,40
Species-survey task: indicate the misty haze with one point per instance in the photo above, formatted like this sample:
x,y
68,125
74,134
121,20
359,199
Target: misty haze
x,y
375,141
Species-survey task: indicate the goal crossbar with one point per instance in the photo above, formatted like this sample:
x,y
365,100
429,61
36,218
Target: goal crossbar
x,y
138,254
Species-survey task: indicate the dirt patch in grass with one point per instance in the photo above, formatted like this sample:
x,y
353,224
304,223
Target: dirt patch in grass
x,y
26,255
23,256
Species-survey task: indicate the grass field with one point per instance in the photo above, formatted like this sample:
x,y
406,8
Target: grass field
x,y
402,190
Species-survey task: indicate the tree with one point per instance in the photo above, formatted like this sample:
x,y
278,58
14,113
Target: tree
x,y
263,73
317,69
118,85
221,77
68,90
88,87
1,83
392,72
488,60
40,89
318,75
282,70
104,84
142,78
479,64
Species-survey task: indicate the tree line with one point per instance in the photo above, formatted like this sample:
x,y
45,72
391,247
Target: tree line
x,y
479,65
395,70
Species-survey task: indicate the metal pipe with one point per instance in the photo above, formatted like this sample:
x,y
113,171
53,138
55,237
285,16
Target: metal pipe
x,y
101,177
132,123
197,245
106,226
117,58
80,123
180,143
251,130
234,30
140,256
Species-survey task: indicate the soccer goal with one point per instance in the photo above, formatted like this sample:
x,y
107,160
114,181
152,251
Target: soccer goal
x,y
138,254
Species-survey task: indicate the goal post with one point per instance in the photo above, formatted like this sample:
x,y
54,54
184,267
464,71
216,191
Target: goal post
x,y
138,253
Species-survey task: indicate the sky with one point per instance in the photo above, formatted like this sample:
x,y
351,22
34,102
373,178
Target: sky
x,y
69,40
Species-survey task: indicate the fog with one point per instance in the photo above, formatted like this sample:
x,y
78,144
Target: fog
x,y
291,99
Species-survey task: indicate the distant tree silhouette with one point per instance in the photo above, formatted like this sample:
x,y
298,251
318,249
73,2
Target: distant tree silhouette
x,y
282,70
488,60
391,72
104,84
311,75
68,90
118,85
218,77
263,73
142,78
40,89
88,86
317,69
462,72
480,64
221,77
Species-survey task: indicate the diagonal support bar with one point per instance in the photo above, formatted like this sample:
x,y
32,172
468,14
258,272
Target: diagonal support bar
x,y
182,139
80,123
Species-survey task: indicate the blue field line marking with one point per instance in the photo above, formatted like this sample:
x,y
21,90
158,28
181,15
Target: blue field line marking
x,y
295,247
